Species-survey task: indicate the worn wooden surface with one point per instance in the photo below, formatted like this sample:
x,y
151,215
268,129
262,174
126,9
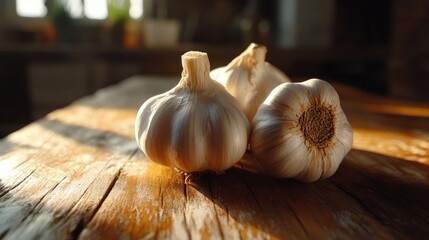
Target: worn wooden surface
x,y
77,174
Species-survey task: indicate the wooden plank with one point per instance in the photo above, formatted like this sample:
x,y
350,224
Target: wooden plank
x,y
398,198
78,174
392,135
388,126
232,205
80,164
320,208
80,151
142,198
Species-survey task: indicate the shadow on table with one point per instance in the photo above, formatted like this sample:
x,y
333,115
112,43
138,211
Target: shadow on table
x,y
370,192
256,203
392,190
7,146
106,140
14,210
130,93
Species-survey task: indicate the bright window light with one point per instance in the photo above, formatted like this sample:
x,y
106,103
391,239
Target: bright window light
x,y
136,9
95,9
75,8
31,8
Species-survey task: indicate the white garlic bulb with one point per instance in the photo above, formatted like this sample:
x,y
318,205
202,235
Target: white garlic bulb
x,y
301,132
196,126
249,78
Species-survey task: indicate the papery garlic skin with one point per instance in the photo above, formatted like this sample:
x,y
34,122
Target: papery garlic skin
x,y
301,132
249,78
196,126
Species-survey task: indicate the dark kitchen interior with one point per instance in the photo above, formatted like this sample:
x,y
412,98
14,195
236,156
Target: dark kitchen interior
x,y
47,62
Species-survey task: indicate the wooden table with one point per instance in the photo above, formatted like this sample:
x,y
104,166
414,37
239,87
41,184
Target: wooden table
x,y
77,173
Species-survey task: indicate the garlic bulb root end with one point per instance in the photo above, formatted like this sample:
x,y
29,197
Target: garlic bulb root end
x,y
301,132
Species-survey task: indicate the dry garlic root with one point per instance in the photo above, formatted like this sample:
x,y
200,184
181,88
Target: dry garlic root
x,y
196,126
249,78
301,132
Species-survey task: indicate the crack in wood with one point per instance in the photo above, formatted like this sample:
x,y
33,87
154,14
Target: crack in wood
x,y
380,186
43,197
297,218
4,234
83,222
227,214
10,188
188,231
185,189
161,195
37,206
239,236
256,199
222,234
185,192
158,215
360,203
24,161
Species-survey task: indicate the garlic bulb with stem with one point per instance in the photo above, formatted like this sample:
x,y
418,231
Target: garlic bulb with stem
x,y
196,126
301,132
249,78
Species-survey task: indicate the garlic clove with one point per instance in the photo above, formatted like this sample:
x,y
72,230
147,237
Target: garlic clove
x,y
297,98
249,78
301,132
196,126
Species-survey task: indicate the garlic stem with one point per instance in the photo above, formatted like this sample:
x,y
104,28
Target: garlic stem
x,y
251,58
196,70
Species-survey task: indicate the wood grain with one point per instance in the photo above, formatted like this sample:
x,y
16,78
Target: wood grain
x,y
78,174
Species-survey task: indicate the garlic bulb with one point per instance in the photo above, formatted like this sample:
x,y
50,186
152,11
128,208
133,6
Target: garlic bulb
x,y
301,132
196,126
249,78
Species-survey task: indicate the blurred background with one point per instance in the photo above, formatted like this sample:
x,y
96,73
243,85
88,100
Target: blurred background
x,y
53,52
